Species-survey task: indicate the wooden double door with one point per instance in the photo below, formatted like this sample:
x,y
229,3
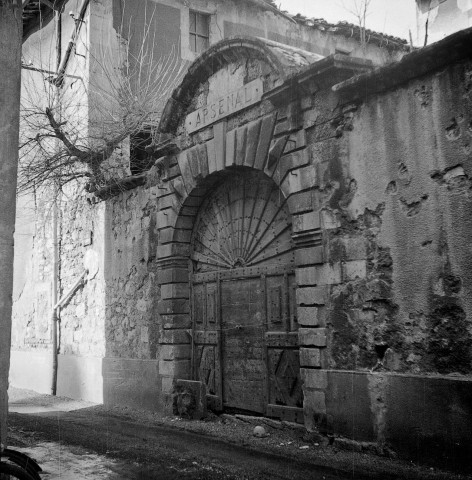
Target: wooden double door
x,y
245,340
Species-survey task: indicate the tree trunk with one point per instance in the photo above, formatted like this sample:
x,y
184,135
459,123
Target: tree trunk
x,y
10,79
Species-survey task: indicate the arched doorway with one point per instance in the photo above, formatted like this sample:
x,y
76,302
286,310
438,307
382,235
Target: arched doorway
x,y
245,342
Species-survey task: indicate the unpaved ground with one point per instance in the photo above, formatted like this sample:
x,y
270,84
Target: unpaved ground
x,y
76,440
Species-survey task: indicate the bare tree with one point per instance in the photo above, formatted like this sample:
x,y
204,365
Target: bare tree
x,y
74,127
360,10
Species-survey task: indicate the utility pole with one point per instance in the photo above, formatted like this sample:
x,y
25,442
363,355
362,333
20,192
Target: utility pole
x,y
11,32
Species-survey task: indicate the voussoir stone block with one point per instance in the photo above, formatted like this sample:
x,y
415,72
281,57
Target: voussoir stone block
x,y
241,140
265,137
289,162
314,400
325,274
309,255
297,140
219,136
298,180
313,337
252,141
175,337
306,221
175,368
175,352
173,306
355,247
172,249
211,154
179,321
169,201
230,154
310,357
178,187
175,290
301,202
179,235
172,275
312,295
166,218
306,276
314,378
185,222
354,269
311,316
329,219
187,173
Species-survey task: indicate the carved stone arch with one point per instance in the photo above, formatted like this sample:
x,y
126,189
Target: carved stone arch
x,y
199,176
260,146
189,204
283,60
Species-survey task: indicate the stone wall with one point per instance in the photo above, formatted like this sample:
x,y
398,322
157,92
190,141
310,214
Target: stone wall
x,y
394,196
401,227
33,284
81,247
132,294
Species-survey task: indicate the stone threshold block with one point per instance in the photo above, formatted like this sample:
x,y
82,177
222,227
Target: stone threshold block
x,y
189,399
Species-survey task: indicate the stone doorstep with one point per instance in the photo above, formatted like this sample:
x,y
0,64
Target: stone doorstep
x,y
381,450
189,399
270,422
323,439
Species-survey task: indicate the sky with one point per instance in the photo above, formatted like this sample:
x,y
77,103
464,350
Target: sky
x,y
392,17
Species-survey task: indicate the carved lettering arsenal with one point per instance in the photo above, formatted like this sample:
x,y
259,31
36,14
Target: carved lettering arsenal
x,y
246,96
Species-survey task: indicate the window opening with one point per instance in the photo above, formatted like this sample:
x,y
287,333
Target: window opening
x,y
199,31
140,160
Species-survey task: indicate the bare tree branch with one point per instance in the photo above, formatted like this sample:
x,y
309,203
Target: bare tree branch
x,y
79,129
73,150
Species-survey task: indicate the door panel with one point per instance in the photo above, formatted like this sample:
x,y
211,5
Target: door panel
x,y
244,222
243,344
243,299
206,357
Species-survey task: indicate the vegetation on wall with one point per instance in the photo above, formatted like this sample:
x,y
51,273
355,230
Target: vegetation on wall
x,y
77,127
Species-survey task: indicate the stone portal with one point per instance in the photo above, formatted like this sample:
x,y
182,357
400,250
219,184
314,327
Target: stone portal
x,y
243,299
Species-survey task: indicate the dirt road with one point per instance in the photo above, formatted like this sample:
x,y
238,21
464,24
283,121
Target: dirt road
x,y
162,452
74,441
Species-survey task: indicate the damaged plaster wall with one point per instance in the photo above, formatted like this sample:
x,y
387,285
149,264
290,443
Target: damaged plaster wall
x,y
403,223
396,213
79,232
132,293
